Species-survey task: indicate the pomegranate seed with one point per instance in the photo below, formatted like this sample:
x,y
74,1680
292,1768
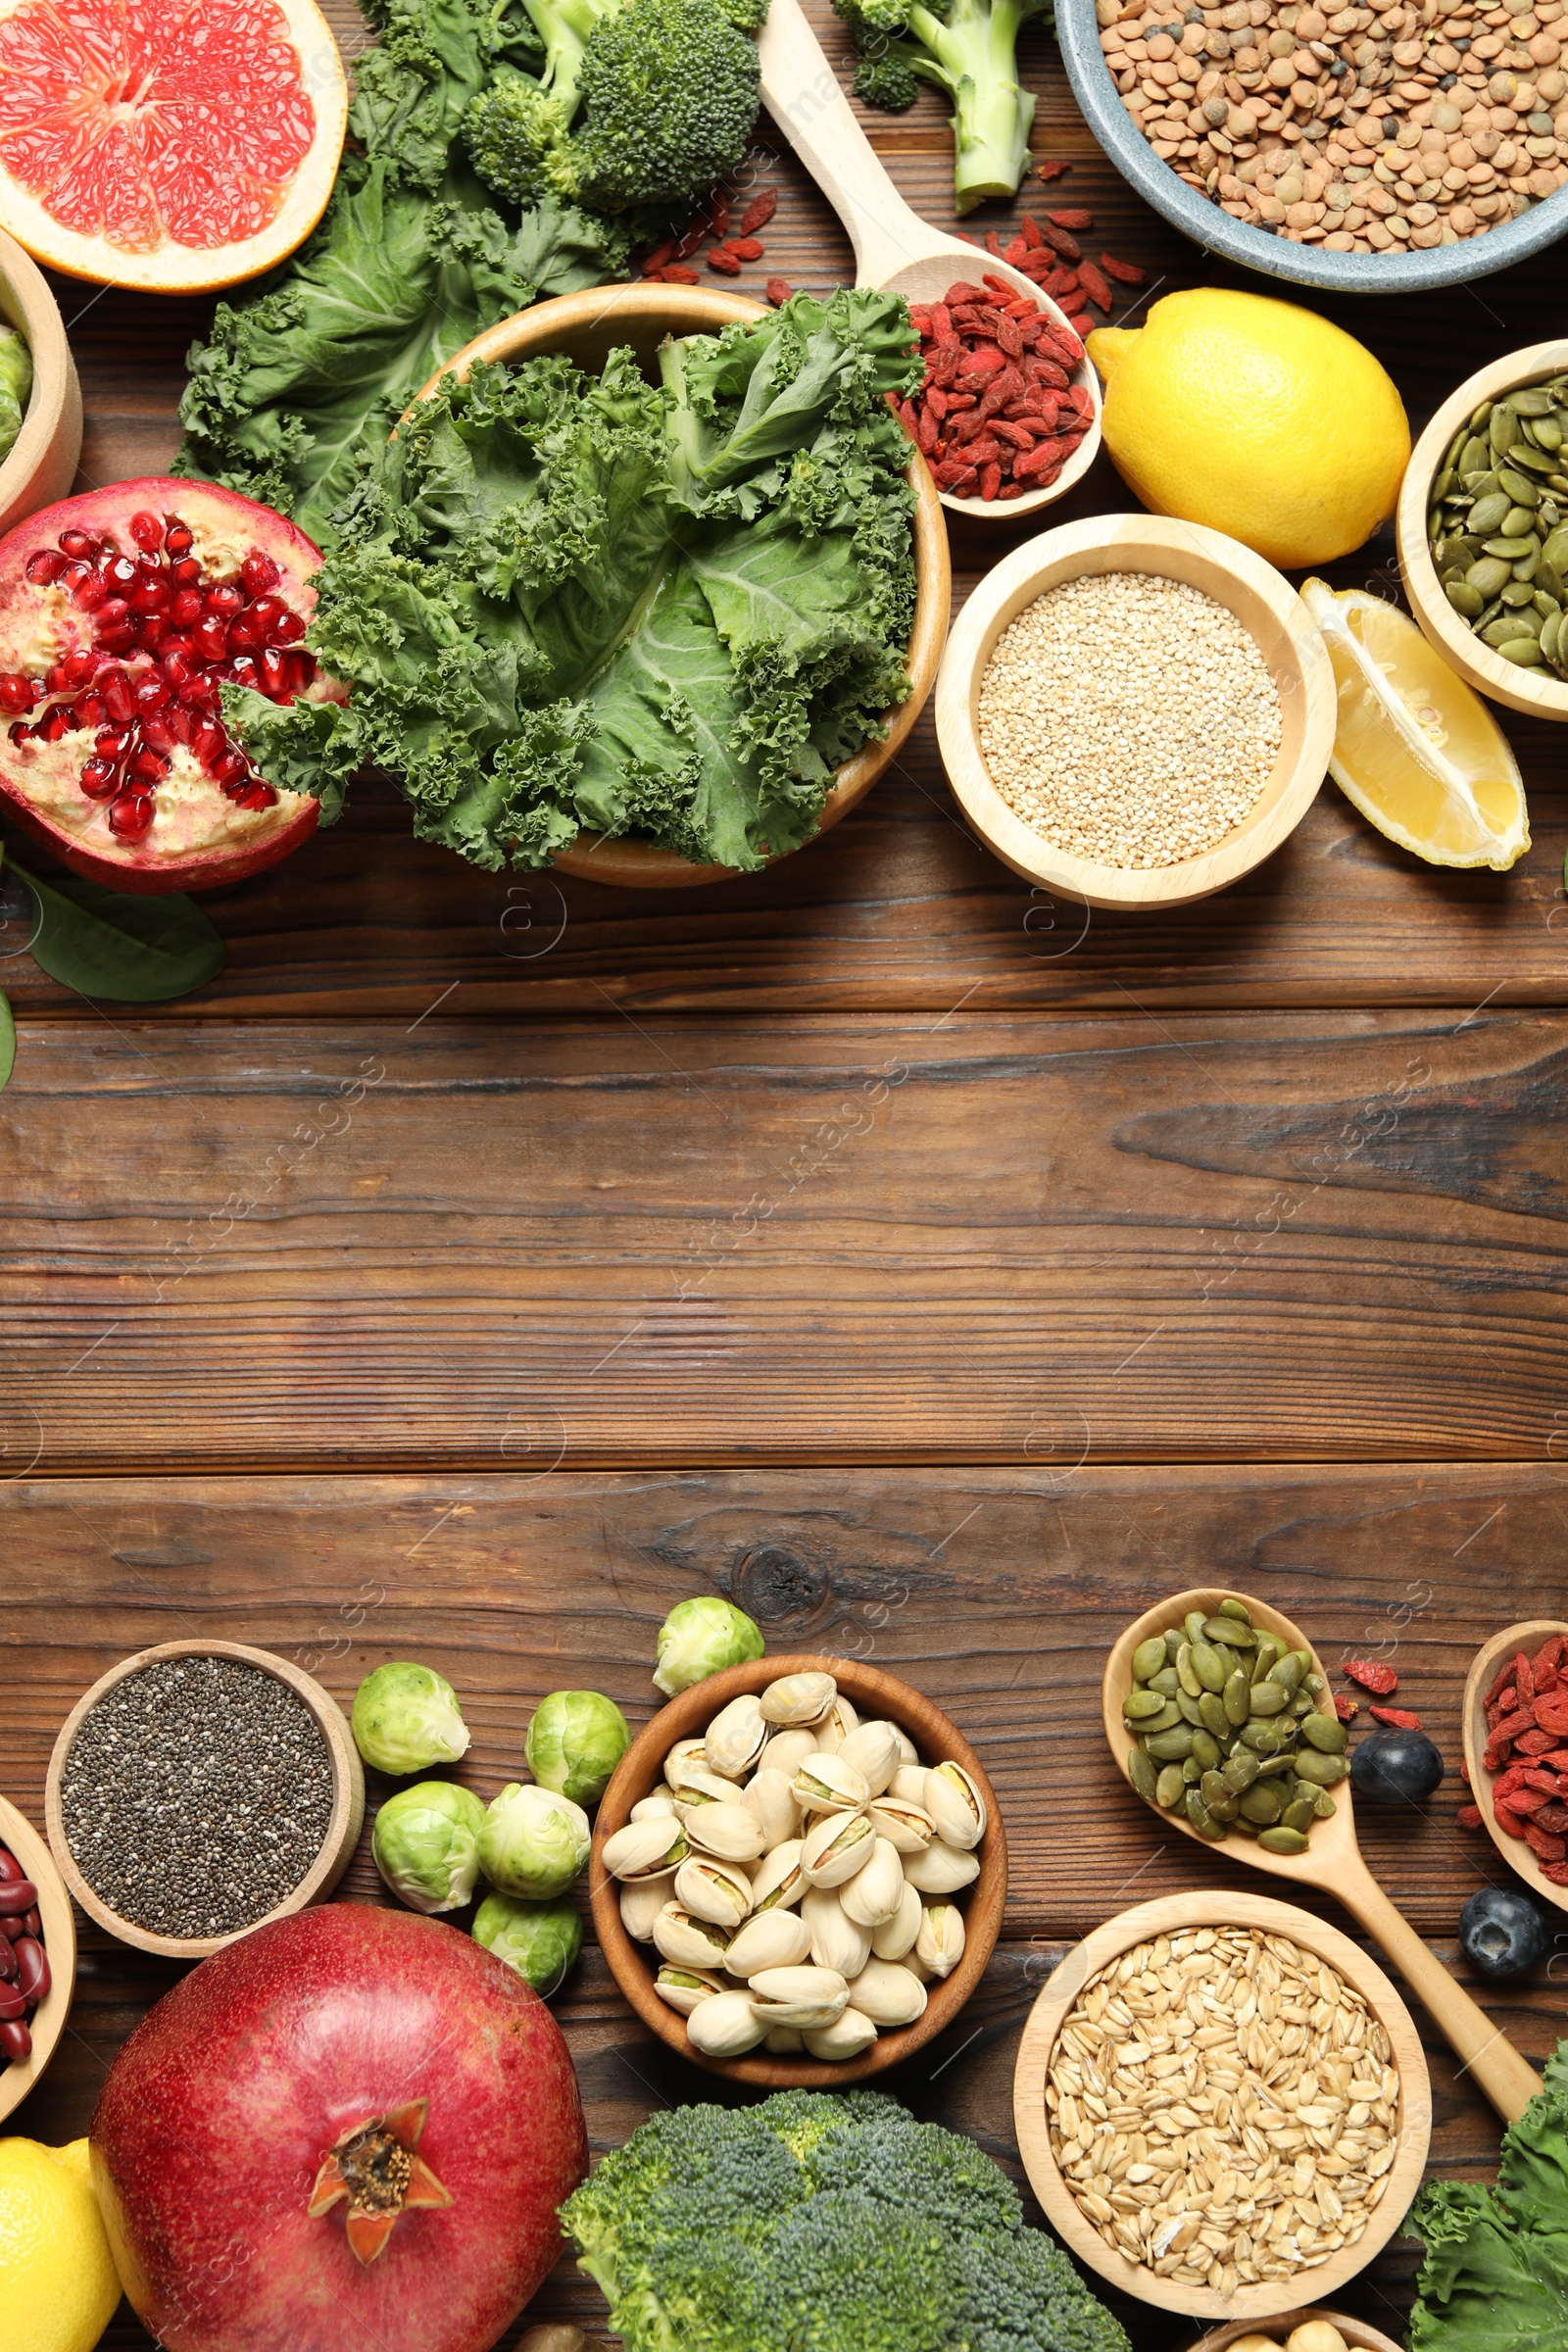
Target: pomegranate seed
x,y
148,531
149,764
56,724
91,710
244,671
208,741
151,596
121,573
16,691
99,779
301,670
186,608
178,641
55,680
88,589
115,744
258,796
186,572
179,538
151,693
258,573
157,733
119,640
44,567
132,814
149,629
243,634
265,614
111,612
176,670
210,637
79,669
119,702
76,543
288,628
224,602
200,693
19,731
179,723
229,766
275,674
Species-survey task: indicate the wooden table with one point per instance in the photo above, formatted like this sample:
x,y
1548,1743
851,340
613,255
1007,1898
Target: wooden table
x,y
1222,1244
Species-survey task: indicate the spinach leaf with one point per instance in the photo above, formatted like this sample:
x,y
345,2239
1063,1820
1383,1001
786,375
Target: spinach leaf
x,y
106,943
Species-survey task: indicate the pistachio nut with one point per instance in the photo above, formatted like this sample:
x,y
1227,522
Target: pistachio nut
x,y
908,1784
641,1902
840,1845
646,1850
836,1724
798,1698
873,1750
726,2025
691,1943
736,1738
837,1941
684,1988
805,1997
687,1755
903,1822
786,1751
941,1870
955,1805
700,1787
732,1831
771,1799
896,1937
845,2037
716,1890
876,1891
659,1800
888,1993
827,1785
939,1946
779,1880
768,1939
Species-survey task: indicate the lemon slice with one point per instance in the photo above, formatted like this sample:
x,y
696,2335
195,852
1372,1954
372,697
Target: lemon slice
x,y
1415,750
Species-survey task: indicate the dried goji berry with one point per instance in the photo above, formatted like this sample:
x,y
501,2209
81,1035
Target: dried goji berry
x,y
1345,1706
717,210
1535,1742
676,273
1469,1817
1545,1845
654,260
723,261
1551,1713
1126,274
1508,1823
1074,219
1029,230
1373,1675
1400,1719
1500,1683
759,212
746,249
1064,243
1094,284
1014,251
1081,323
1556,1872
1524,1676
1050,172
993,243
688,243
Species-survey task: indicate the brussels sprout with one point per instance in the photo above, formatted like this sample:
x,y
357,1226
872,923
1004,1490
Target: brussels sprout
x,y
405,1718
576,1741
533,1841
16,386
426,1845
702,1637
540,1941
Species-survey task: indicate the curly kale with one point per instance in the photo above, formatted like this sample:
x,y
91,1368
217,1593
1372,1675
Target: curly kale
x,y
969,48
822,2223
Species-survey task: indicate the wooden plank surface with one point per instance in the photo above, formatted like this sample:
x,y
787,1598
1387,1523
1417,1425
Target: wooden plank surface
x,y
999,1593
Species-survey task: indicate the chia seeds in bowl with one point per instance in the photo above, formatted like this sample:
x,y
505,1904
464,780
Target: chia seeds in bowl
x,y
197,1796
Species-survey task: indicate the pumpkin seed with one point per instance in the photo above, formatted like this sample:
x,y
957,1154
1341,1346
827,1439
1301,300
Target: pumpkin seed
x,y
1261,1737
1167,1747
1549,579
1165,1683
1475,454
1206,1750
1281,1840
1463,599
1238,1697
1232,1631
1239,1771
1188,1709
1299,1815
1487,576
1230,1607
1324,1772
1168,1787
1215,1719
1269,1698
1325,1807
1488,512
1263,1803
1202,1819
1209,1666
1502,428
1326,1732
1187,1672
1520,488
1549,631
1148,1658
1517,595
1523,651
1142,1774
1141,1703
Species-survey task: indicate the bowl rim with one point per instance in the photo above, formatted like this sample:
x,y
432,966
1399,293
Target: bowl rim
x,y
343,1827
41,463
631,860
641,1767
48,2021
1078,35
1218,1907
1362,2335
1528,1635
1029,853
1476,664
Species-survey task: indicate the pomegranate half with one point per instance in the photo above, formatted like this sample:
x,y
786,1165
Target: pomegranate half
x,y
349,2131
122,614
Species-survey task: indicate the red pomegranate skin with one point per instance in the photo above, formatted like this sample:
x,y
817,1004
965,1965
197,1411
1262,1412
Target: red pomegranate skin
x,y
219,2110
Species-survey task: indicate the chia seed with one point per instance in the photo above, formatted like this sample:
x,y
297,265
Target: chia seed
x,y
196,1795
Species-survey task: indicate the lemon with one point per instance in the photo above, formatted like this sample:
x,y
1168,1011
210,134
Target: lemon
x,y
1420,755
1257,418
58,2288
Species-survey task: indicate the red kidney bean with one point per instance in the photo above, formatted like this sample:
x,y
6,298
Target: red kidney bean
x,y
31,1924
9,1970
33,1968
17,1895
9,1868
15,2042
12,1928
14,2004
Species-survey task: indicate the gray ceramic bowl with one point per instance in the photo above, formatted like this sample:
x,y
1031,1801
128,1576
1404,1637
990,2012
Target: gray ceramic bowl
x,y
1078,32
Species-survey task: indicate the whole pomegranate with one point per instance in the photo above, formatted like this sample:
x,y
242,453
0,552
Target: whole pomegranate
x,y
121,615
347,2132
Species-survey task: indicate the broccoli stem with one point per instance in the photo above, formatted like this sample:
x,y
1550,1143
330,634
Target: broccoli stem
x,y
974,58
564,27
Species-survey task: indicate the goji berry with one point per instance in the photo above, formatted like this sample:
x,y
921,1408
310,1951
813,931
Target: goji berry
x,y
1094,284
1345,1706
1029,230
718,210
1063,241
1551,1713
1014,253
991,481
1048,172
1556,1872
676,273
723,261
746,249
1536,1742
1400,1719
1469,1817
759,212
1373,1675
1543,1844
1075,219
779,292
654,260
1081,323
1508,1823
687,244
1500,1683
1524,1679
1126,274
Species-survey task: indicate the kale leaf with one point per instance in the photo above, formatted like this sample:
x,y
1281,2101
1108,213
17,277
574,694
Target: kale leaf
x,y
1495,2274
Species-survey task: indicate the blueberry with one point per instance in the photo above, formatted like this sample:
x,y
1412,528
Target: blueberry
x,y
1502,1931
1396,1767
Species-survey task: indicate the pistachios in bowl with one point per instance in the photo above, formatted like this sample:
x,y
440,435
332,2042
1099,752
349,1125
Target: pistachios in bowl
x,y
789,1869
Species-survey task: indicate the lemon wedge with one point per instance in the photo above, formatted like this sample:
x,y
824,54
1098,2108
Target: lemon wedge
x,y
1415,750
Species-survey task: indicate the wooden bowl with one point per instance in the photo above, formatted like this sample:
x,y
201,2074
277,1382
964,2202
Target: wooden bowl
x,y
1211,1908
1356,2333
1261,599
42,464
873,1694
1535,690
587,327
48,2020
342,1830
1519,1857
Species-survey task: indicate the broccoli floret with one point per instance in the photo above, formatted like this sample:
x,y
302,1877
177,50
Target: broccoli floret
x,y
969,49
640,103
822,2223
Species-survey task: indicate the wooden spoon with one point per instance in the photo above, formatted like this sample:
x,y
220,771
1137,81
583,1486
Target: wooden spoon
x,y
893,248
1333,1861
1514,1851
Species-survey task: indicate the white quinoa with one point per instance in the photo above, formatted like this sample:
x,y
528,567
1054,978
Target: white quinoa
x,y
1129,718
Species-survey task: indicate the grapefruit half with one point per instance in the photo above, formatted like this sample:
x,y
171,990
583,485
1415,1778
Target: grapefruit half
x,y
171,147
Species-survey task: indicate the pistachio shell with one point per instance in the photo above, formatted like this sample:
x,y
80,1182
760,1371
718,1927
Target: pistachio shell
x,y
845,2037
641,1902
838,1847
904,1824
805,1997
837,1941
786,1751
779,1880
784,2041
684,1988
896,1937
908,1784
700,1786
691,1943
873,1750
646,1850
876,1891
836,1724
939,1946
888,1993
725,2027
658,1800
768,1939
956,1804
713,1889
687,1755
826,1784
799,1698
771,1799
908,1754
939,1870
732,1831
736,1738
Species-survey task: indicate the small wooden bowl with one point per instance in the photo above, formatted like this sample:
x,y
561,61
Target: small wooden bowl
x,y
342,1830
1527,1637
1537,691
873,1694
1261,599
48,2021
1213,1908
1356,2333
587,327
42,464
